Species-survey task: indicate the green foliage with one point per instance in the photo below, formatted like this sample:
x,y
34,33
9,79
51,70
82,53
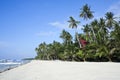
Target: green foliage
x,y
102,35
66,36
73,22
86,13
80,54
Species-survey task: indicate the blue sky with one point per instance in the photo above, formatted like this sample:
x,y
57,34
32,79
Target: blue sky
x,y
24,24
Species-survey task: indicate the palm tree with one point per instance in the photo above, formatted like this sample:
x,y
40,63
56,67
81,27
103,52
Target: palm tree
x,y
103,31
110,19
94,29
66,36
87,30
63,36
42,51
106,50
74,24
53,50
102,26
116,35
86,13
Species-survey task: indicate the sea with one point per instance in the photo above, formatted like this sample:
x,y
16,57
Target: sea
x,y
9,64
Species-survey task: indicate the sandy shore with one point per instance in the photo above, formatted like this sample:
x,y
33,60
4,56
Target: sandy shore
x,y
59,70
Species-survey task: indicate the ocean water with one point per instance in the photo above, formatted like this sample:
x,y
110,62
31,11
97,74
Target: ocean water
x,y
6,65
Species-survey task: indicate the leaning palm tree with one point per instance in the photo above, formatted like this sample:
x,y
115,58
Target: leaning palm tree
x,y
74,24
86,13
94,29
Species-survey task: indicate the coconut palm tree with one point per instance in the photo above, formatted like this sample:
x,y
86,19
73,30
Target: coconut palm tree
x,y
63,36
103,31
66,36
94,29
53,50
102,26
86,13
110,19
74,24
86,29
106,50
42,51
115,35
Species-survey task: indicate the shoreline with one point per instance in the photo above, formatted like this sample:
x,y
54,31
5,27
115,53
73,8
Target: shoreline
x,y
11,65
63,70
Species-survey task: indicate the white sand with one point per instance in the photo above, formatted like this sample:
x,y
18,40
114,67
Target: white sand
x,y
59,70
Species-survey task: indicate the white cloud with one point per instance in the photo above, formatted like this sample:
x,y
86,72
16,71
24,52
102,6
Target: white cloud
x,y
115,8
50,33
60,25
63,25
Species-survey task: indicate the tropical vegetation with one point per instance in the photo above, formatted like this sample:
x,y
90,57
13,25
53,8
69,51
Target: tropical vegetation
x,y
99,42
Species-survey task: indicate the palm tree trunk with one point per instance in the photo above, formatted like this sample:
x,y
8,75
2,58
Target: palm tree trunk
x,y
94,34
78,40
109,58
84,59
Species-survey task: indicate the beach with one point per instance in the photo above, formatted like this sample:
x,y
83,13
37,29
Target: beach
x,y
63,70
